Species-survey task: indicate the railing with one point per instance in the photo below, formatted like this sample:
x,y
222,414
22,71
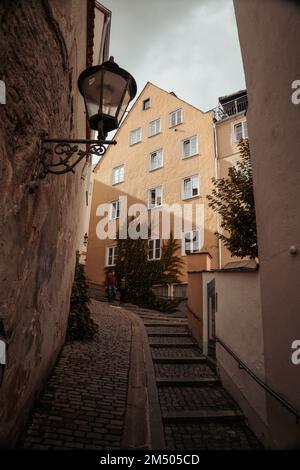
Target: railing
x,y
231,108
266,387
179,290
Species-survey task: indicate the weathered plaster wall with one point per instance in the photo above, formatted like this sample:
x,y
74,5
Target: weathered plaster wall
x,y
238,323
37,231
269,37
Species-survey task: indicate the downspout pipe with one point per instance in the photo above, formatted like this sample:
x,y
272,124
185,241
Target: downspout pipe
x,y
217,176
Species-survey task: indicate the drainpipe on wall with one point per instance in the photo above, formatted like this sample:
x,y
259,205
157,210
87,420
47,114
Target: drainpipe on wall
x,y
217,176
103,39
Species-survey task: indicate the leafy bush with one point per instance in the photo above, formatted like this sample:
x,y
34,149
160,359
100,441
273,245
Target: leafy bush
x,y
80,324
233,199
141,274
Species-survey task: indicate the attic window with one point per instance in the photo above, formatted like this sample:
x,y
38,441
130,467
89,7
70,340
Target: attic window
x,y
146,104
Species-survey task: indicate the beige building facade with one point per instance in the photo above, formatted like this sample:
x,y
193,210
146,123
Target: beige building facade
x,y
164,156
230,125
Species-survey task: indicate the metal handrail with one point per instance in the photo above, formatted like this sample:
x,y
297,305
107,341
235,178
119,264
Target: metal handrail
x,y
274,394
232,107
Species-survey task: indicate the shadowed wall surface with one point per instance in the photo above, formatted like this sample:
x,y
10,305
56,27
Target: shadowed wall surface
x,y
269,37
37,231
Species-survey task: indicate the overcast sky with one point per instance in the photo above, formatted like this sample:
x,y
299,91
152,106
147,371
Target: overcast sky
x,y
190,47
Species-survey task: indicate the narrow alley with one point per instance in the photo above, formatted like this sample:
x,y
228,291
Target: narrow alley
x,y
86,403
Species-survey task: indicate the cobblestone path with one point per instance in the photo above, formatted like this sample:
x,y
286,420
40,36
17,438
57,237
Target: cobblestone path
x,y
197,412
83,405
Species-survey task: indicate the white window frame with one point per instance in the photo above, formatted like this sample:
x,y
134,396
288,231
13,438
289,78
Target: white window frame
x,y
156,152
154,248
157,129
146,99
177,121
113,182
150,206
193,179
191,232
244,127
114,212
114,255
183,147
135,136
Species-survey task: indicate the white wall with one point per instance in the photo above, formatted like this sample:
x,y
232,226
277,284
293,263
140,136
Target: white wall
x,y
239,326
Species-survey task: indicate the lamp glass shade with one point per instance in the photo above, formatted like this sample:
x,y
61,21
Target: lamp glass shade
x,y
107,91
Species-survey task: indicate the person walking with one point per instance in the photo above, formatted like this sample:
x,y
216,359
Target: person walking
x,y
111,281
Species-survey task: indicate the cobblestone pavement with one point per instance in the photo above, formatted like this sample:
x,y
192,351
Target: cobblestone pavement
x,y
83,405
195,415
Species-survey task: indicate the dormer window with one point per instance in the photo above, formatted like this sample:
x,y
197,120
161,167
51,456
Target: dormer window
x,y
146,104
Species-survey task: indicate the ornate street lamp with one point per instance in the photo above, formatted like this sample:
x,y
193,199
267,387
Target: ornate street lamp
x,y
107,91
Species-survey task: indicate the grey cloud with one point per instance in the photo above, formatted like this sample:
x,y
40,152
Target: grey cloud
x,y
186,46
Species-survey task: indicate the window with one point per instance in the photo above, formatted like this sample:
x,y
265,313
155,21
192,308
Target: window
x,y
118,174
154,127
190,187
146,104
240,131
111,255
155,197
156,159
191,241
115,208
175,118
154,249
190,147
135,136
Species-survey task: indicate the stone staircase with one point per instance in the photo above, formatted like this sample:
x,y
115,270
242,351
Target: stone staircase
x,y
197,412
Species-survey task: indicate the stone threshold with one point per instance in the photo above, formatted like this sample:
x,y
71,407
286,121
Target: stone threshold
x,y
174,345
170,335
188,381
180,360
204,415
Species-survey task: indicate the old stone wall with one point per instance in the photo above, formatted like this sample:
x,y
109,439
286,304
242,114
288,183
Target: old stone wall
x,y
42,51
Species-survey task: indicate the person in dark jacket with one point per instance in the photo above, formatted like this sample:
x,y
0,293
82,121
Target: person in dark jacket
x,y
111,282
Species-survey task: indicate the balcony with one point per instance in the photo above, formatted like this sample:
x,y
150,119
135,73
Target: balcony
x,y
229,107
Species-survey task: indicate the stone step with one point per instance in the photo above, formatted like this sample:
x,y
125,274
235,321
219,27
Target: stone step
x,y
173,345
160,318
165,324
210,435
202,415
171,335
179,360
190,381
196,370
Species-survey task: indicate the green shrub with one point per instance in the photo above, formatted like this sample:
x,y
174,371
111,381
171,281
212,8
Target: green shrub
x,y
141,274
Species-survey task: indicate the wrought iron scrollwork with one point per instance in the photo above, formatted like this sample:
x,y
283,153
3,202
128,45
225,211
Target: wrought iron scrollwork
x,y
64,156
